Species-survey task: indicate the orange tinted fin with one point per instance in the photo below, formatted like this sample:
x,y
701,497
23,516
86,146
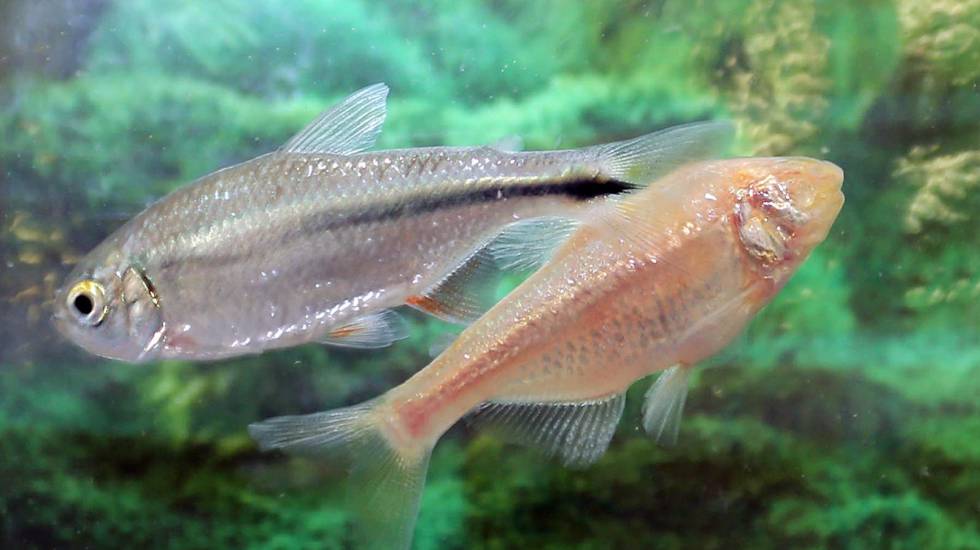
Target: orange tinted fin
x,y
427,304
377,330
463,295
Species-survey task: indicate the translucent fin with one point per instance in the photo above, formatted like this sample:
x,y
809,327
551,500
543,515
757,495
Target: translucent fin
x,y
578,433
643,159
441,342
348,127
621,220
313,434
376,330
385,484
664,404
461,296
386,490
509,144
528,244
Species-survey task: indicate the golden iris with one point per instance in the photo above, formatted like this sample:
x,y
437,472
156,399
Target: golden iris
x,y
87,301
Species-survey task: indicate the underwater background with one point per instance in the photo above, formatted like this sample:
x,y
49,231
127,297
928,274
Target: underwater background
x,y
847,415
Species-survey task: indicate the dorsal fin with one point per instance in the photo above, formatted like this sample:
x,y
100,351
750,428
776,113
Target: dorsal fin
x,y
348,127
578,432
620,219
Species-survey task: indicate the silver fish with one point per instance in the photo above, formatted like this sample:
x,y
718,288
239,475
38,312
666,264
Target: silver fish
x,y
319,240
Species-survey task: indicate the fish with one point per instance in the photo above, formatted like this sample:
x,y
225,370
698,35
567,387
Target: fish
x,y
319,240
653,282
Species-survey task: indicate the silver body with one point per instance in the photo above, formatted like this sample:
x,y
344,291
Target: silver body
x,y
276,251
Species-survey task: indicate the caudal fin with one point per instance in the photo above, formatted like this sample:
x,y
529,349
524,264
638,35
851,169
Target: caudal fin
x,y
642,160
385,483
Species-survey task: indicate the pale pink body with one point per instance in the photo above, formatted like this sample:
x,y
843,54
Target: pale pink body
x,y
665,280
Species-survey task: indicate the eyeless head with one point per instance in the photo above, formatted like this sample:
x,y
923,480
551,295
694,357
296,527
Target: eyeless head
x,y
786,207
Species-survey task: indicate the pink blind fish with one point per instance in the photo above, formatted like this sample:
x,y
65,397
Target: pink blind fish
x,y
655,282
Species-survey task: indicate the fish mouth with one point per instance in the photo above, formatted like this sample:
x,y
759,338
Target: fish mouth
x,y
825,197
824,177
828,181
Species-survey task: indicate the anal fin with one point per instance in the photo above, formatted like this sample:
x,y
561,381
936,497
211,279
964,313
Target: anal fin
x,y
664,404
376,330
577,432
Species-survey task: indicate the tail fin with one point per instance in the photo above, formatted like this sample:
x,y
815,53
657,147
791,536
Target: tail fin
x,y
385,483
643,159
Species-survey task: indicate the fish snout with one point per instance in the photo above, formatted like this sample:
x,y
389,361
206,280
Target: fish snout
x,y
821,182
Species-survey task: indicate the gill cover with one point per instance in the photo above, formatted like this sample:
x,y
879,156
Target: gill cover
x,y
142,309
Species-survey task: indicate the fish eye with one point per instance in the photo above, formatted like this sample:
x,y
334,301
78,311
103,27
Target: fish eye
x,y
86,300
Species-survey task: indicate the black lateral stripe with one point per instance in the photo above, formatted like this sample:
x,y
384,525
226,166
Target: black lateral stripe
x,y
580,189
584,189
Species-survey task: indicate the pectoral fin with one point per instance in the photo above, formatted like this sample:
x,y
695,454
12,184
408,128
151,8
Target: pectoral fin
x,y
664,404
462,296
465,294
528,244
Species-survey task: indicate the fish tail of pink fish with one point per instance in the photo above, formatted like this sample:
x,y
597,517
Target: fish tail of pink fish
x,y
387,469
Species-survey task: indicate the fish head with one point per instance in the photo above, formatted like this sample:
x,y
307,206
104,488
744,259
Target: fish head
x,y
782,209
109,308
